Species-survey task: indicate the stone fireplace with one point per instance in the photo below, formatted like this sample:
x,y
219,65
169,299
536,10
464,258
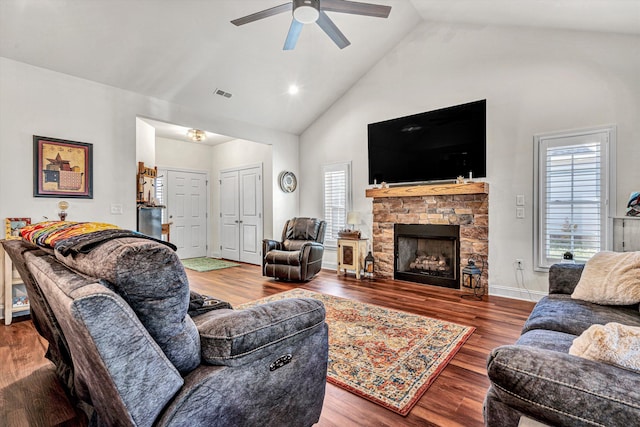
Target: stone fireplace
x,y
427,253
464,206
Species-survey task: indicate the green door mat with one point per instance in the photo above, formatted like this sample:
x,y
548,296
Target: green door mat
x,y
207,264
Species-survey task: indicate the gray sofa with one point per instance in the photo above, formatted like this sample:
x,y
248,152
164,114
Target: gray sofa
x,y
537,380
128,352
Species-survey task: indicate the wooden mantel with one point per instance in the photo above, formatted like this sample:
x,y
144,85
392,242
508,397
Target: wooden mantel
x,y
430,190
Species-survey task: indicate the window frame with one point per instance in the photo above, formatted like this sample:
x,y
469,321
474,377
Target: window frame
x,y
331,241
607,188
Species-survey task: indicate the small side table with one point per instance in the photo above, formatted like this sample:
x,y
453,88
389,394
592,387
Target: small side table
x,y
351,253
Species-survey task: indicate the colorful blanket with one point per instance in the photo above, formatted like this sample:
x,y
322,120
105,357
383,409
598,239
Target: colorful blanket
x,y
69,237
48,233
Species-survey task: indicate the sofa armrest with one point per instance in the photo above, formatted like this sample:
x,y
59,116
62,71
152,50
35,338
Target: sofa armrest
x,y
237,337
563,278
254,395
560,389
312,251
269,245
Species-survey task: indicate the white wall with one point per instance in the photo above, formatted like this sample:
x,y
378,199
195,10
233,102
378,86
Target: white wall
x,y
36,101
145,143
534,81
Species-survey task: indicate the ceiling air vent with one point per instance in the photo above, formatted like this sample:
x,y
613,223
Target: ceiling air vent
x,y
222,93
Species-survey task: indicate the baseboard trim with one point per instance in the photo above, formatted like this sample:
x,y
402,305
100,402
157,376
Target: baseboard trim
x,y
516,293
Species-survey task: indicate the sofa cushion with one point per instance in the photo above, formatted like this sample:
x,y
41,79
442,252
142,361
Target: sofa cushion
x,y
610,278
612,343
561,313
151,279
302,229
236,337
283,257
548,340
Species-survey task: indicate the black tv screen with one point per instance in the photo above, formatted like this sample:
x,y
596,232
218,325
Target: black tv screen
x,y
432,146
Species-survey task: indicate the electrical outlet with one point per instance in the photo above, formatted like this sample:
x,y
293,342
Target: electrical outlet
x,y
519,264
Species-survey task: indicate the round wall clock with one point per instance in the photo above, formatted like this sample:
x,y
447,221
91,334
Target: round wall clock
x,y
288,181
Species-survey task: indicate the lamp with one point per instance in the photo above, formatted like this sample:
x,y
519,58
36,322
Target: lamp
x,y
353,219
472,276
196,135
63,206
306,11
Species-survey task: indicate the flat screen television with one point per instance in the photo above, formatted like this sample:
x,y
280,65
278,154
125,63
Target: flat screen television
x,y
436,145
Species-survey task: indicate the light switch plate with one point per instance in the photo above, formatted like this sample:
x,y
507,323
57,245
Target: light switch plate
x,y
116,209
520,200
519,212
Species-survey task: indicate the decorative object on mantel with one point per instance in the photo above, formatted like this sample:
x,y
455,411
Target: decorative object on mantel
x,y
63,206
633,207
460,180
288,181
472,276
12,227
196,135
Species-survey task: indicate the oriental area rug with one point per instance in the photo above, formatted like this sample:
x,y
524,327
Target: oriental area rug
x,y
386,356
206,264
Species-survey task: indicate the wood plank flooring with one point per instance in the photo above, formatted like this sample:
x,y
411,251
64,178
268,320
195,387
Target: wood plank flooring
x,y
31,396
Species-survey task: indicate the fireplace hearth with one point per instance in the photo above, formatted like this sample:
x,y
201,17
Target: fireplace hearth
x,y
426,253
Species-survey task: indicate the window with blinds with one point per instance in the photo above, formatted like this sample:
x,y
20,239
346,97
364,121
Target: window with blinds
x,y
337,199
572,195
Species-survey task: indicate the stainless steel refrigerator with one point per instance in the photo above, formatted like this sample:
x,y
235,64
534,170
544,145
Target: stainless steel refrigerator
x,y
150,221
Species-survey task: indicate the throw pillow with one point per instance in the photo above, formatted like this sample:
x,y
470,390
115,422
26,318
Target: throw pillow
x,y
610,278
613,343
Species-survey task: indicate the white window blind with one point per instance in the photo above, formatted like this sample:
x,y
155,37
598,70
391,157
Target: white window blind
x,y
161,192
337,199
572,195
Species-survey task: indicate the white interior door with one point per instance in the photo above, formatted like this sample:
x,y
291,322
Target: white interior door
x,y
251,215
229,216
187,209
241,229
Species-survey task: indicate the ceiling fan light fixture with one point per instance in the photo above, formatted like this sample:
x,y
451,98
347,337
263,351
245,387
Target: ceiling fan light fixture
x,y
306,11
196,135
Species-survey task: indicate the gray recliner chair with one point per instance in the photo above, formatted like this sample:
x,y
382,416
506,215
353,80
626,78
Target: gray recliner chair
x,y
298,256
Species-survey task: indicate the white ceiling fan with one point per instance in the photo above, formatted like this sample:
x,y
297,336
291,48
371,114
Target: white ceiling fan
x,y
310,11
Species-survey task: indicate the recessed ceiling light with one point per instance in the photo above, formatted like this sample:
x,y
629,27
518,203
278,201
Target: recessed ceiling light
x,y
293,89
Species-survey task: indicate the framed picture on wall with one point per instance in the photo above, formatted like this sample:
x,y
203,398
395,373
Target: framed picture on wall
x,y
12,227
62,168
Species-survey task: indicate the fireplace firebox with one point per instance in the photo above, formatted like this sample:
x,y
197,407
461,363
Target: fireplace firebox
x,y
427,253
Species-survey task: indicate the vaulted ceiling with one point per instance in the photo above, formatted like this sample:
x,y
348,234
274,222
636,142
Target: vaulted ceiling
x,y
183,50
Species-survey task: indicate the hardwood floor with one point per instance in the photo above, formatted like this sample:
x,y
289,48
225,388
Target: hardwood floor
x,y
31,396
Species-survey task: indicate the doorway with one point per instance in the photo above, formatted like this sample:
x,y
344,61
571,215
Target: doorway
x,y
187,210
241,228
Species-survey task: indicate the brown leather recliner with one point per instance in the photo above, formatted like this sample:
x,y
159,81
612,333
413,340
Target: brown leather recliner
x,y
299,255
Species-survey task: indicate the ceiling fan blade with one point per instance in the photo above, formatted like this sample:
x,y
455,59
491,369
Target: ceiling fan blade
x,y
292,35
332,31
355,8
263,14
